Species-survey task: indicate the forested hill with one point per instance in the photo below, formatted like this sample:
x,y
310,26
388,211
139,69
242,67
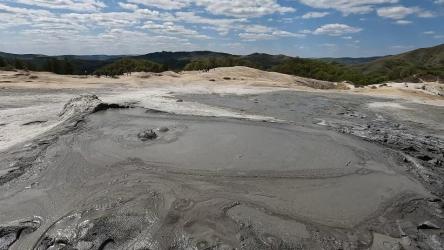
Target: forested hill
x,y
76,65
420,64
417,65
178,60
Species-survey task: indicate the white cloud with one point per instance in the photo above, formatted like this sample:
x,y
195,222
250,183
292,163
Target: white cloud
x,y
329,45
257,29
242,8
255,36
433,34
170,28
233,8
430,32
401,47
76,5
268,36
286,20
347,6
310,15
123,41
336,29
260,32
403,22
396,12
22,11
88,24
163,4
426,14
400,12
221,25
128,6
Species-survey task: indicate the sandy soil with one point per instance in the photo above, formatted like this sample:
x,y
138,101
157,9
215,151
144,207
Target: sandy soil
x,y
241,159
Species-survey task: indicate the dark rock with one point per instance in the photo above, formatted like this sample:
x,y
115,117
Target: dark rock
x,y
428,225
410,149
106,106
179,100
434,199
147,135
425,158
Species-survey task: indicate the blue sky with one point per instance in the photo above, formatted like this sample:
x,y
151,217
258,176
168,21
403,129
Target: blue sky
x,y
306,28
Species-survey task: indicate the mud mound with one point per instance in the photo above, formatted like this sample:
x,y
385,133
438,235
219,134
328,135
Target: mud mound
x,y
84,105
80,105
260,77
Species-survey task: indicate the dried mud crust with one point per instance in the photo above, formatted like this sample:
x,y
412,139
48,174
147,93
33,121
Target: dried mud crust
x,y
17,160
424,153
134,203
11,232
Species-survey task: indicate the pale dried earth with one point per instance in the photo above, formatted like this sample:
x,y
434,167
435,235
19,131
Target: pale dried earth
x,y
241,159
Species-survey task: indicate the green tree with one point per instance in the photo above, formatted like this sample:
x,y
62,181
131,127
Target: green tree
x,y
48,66
18,64
30,66
2,62
67,67
128,65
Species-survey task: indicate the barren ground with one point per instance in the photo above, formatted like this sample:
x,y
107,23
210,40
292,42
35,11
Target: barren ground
x,y
240,159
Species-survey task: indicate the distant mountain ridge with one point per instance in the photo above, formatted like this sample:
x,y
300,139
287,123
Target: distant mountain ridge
x,y
352,60
79,57
416,65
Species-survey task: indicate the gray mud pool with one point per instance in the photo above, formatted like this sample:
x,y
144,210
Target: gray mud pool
x,y
206,183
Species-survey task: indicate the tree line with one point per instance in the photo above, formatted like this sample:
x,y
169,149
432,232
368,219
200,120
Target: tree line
x,y
207,63
58,66
128,65
378,72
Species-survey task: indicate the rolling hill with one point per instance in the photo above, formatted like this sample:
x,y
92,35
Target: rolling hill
x,y
417,65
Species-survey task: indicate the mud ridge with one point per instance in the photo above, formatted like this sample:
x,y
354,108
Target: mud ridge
x,y
23,156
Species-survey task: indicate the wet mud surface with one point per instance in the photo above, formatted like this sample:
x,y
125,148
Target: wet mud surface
x,y
338,173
